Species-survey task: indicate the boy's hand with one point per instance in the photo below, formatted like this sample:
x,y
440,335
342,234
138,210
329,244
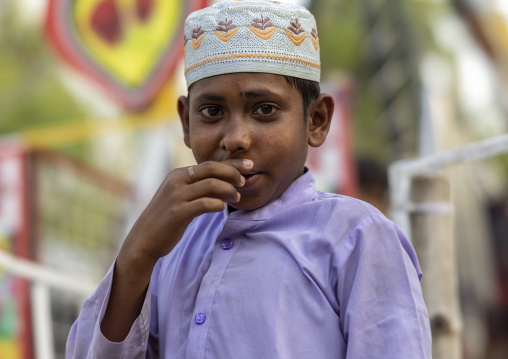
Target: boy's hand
x,y
160,227
178,201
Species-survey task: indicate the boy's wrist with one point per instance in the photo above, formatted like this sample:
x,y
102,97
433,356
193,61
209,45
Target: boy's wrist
x,y
135,267
131,279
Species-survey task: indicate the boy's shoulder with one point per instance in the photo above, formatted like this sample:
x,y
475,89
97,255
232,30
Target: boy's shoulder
x,y
346,214
346,206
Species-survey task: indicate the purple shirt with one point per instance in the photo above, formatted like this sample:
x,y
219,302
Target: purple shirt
x,y
311,275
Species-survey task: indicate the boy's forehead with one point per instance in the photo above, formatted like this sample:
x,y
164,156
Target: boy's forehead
x,y
251,36
244,84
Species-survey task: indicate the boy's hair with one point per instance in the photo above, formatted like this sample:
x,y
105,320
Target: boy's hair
x,y
309,90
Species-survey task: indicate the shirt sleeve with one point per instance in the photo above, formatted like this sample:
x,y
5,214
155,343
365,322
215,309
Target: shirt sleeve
x,y
86,340
382,312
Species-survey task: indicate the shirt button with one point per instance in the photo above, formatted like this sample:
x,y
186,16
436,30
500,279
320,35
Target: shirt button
x,y
227,243
199,318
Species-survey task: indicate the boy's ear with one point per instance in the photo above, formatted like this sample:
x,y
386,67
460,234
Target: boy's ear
x,y
183,112
319,119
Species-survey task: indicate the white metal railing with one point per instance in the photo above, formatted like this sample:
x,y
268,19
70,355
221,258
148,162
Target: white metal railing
x,y
401,172
42,278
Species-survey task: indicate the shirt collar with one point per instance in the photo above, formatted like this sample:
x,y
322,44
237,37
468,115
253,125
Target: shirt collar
x,y
302,190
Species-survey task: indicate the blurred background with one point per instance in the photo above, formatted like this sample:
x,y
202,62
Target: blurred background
x,y
88,130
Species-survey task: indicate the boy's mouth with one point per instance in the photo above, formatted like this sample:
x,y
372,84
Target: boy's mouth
x,y
250,174
250,177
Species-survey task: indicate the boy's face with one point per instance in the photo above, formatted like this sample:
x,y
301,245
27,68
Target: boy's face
x,y
253,116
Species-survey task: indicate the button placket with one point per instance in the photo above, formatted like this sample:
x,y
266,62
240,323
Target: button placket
x,y
224,250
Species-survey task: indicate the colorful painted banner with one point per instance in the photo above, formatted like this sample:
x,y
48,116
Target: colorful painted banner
x,y
15,337
130,47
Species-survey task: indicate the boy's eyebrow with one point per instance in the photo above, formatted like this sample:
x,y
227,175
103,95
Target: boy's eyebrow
x,y
260,93
248,94
210,96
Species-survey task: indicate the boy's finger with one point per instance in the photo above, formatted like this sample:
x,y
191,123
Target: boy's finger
x,y
204,205
228,171
239,164
213,188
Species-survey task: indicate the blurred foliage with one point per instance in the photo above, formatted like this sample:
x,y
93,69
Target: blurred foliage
x,y
342,29
343,26
31,92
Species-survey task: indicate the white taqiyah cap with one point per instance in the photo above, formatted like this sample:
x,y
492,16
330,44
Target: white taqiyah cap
x,y
251,36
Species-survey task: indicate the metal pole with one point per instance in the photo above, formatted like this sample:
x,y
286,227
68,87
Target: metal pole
x,y
432,233
42,325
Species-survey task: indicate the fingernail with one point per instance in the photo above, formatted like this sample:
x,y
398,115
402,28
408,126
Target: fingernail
x,y
242,181
248,163
238,196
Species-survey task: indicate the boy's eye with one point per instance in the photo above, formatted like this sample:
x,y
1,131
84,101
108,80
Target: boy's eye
x,y
210,111
265,110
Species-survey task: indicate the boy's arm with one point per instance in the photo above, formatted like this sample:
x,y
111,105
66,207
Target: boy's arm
x,y
160,227
86,340
382,311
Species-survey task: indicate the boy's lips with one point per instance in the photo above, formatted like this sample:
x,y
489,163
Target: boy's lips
x,y
251,177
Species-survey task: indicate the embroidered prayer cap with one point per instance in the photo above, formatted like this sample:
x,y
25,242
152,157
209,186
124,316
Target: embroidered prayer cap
x,y
251,36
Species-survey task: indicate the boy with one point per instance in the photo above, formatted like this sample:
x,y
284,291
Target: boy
x,y
240,256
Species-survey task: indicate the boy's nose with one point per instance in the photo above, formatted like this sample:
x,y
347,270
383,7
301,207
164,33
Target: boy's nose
x,y
236,136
